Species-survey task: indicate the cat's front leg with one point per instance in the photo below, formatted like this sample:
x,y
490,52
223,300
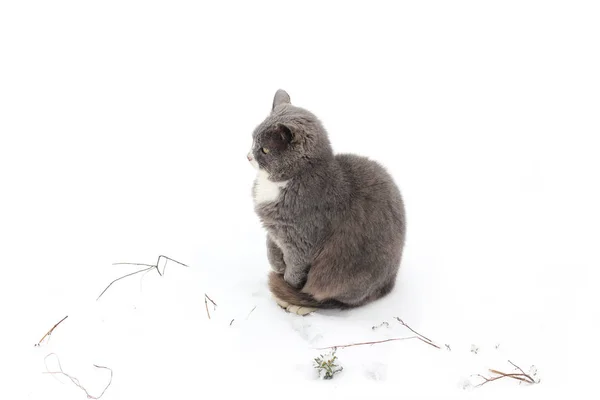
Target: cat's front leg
x,y
295,277
275,256
296,271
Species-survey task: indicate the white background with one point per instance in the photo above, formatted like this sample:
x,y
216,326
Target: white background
x,y
124,128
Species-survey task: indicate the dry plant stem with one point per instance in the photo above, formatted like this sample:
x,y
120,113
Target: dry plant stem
x,y
376,342
416,333
50,331
156,265
139,264
418,337
142,270
125,276
206,305
170,259
144,274
75,380
248,316
518,377
523,372
209,299
523,377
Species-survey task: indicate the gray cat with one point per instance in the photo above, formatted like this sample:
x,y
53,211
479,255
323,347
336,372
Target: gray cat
x,y
335,223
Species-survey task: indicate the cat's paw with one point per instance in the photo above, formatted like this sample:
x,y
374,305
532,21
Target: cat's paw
x,y
277,268
294,309
282,303
300,310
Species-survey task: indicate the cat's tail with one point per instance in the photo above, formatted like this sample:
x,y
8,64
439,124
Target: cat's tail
x,y
289,294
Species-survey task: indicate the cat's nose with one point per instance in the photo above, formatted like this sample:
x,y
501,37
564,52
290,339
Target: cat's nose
x,y
249,157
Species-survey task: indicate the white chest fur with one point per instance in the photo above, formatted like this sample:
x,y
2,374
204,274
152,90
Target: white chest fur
x,y
266,191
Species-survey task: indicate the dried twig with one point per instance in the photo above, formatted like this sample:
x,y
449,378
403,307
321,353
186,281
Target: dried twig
x,y
423,338
211,300
75,380
124,276
47,335
501,375
418,337
156,265
149,267
206,305
521,376
374,342
126,263
248,316
206,300
416,333
519,368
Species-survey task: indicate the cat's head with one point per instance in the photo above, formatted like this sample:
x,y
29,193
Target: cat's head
x,y
290,140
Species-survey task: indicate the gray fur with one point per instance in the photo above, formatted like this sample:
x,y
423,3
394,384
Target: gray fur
x,y
336,231
281,97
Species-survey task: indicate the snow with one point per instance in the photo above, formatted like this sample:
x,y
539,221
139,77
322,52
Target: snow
x,y
124,132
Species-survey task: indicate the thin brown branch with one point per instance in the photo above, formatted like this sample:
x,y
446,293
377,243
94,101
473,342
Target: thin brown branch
x,y
523,372
170,259
206,300
149,267
75,380
143,275
139,264
251,311
50,331
211,300
376,342
418,337
415,332
487,380
206,305
521,377
495,378
125,276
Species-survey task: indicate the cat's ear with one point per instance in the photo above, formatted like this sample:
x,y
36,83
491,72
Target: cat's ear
x,y
286,133
281,97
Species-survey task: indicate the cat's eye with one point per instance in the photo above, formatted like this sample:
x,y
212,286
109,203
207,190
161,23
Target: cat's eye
x,y
265,150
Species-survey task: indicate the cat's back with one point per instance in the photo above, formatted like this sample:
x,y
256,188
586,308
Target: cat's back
x,y
376,203
367,178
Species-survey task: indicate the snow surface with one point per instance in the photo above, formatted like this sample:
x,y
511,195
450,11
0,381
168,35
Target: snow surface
x,y
124,132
